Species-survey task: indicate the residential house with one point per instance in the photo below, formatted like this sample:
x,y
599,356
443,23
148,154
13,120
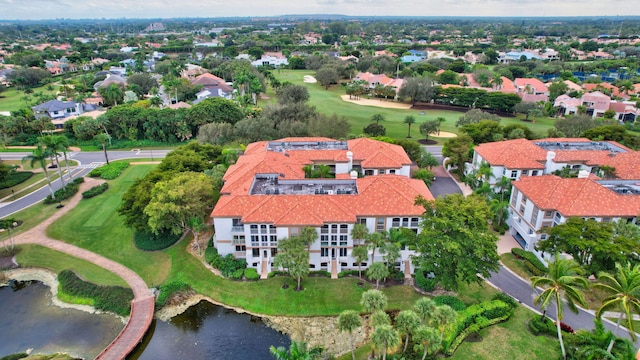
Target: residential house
x,y
374,80
110,79
532,90
596,104
212,86
267,197
61,111
271,59
515,56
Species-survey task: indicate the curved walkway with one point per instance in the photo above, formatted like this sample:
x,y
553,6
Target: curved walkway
x,y
142,306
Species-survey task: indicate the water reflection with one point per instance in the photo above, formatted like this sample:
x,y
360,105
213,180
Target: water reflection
x,y
207,331
30,320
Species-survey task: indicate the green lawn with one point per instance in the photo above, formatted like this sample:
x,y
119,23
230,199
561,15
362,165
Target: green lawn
x,y
95,225
35,255
329,101
11,99
510,340
31,217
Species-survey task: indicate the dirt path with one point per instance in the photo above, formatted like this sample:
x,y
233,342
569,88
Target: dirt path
x,y
142,304
377,103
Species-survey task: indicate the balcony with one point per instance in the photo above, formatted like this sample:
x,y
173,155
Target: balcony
x,y
238,241
237,229
240,254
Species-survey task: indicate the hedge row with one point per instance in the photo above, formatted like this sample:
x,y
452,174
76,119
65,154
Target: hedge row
x,y
114,299
531,258
109,171
472,319
228,265
15,178
95,191
149,241
452,301
344,273
538,326
168,289
66,192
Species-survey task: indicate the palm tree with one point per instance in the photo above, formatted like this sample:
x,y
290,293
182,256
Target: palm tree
x,y
63,145
424,307
374,241
103,138
297,351
442,316
564,281
52,145
373,300
112,94
377,271
624,290
504,184
385,337
348,321
378,318
497,81
407,322
409,119
377,118
360,254
359,232
39,156
428,339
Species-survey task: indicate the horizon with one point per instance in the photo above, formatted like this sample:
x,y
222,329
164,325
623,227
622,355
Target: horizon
x,y
39,10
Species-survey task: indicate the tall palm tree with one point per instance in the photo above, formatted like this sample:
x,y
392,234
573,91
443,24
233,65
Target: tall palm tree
x,y
385,337
407,322
63,145
377,118
297,351
424,307
376,240
360,254
103,138
497,81
428,340
443,315
409,119
359,232
564,281
624,295
348,321
52,145
39,156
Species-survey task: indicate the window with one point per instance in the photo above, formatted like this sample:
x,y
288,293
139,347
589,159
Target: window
x,y
379,224
534,215
606,219
238,239
548,214
294,231
514,174
543,237
415,222
343,240
395,222
241,248
255,252
521,209
274,252
546,224
362,221
255,240
343,251
524,200
392,171
534,173
344,229
525,172
324,252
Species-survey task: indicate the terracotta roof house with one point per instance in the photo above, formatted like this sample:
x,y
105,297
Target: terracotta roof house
x,y
379,79
597,104
212,86
539,203
605,87
268,195
531,89
607,187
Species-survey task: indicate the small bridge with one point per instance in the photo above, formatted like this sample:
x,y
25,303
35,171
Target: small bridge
x,y
133,332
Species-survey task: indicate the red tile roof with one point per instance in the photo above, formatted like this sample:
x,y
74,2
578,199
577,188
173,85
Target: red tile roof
x,y
513,154
582,197
380,195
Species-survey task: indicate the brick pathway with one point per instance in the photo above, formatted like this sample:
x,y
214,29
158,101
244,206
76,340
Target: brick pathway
x,y
143,303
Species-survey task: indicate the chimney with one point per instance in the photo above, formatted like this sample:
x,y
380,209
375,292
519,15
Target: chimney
x,y
353,174
350,157
583,174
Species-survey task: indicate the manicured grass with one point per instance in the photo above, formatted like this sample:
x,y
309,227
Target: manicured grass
x,y
329,101
515,265
31,217
510,340
39,256
95,225
11,99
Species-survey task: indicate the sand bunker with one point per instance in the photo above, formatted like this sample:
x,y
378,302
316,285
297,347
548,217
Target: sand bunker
x,y
378,103
444,134
309,79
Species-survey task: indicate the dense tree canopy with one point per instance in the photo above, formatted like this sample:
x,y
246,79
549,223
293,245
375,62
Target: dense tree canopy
x,y
455,243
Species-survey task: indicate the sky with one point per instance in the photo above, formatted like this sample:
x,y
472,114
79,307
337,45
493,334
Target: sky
x,y
95,9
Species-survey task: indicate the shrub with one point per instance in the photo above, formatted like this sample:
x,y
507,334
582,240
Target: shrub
x,y
15,178
114,299
210,254
109,171
396,274
344,273
539,326
424,282
94,191
251,274
455,303
473,319
168,289
320,273
530,257
226,264
566,328
14,356
148,241
532,269
65,193
276,273
507,299
237,274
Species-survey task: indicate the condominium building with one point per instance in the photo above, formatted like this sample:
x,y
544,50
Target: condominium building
x,y
269,195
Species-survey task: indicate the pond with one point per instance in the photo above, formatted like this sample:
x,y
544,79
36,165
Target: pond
x,y
204,331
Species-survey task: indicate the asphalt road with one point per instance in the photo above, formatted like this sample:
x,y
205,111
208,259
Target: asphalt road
x,y
87,162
